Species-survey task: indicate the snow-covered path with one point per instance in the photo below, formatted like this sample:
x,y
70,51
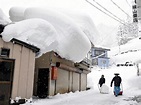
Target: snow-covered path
x,y
130,83
90,97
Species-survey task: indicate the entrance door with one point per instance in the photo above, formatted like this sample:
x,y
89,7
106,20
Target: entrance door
x,y
6,71
42,84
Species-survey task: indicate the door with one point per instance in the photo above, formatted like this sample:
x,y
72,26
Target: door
x,y
42,84
6,73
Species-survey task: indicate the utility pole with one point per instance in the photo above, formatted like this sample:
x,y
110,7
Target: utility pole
x,y
134,10
138,2
136,7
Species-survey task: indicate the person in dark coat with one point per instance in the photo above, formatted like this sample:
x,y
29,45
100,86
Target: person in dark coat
x,y
117,81
101,80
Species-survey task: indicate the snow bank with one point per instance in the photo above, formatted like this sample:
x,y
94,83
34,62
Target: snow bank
x,y
135,82
132,51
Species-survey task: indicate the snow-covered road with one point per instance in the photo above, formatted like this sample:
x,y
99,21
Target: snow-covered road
x,y
90,97
130,83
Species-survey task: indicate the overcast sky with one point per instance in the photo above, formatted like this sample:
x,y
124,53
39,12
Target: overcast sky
x,y
76,5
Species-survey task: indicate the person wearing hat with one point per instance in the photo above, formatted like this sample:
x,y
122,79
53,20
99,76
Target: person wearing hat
x,y
117,81
101,80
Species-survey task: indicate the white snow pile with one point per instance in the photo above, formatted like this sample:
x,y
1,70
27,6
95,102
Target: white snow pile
x,y
33,34
85,23
16,14
104,89
52,30
3,19
133,53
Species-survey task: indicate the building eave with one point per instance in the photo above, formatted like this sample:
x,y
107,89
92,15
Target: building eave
x,y
32,47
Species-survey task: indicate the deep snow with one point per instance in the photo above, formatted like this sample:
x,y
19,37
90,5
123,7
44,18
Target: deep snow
x,y
59,32
121,54
131,84
131,88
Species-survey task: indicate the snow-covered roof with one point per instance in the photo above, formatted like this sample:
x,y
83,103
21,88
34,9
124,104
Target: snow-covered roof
x,y
52,30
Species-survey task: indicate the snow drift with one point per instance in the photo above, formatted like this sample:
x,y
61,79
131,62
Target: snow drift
x,y
117,54
84,21
73,43
40,33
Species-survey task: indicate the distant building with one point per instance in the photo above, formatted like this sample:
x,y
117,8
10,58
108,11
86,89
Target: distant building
x,y
99,57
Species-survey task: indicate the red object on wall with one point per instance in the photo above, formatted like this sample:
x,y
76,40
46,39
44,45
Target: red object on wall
x,y
54,73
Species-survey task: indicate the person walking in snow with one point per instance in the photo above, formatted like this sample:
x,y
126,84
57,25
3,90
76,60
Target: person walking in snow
x,y
102,87
101,80
117,81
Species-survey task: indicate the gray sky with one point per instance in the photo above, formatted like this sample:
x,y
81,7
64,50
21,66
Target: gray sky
x,y
76,5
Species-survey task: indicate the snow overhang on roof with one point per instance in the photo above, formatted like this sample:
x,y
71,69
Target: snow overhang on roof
x,y
33,48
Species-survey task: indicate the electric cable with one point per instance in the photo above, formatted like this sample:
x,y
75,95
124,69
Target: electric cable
x,y
120,8
128,3
104,12
107,10
108,34
107,14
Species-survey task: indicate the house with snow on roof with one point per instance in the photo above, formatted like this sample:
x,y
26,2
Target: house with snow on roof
x,y
17,62
54,75
63,41
99,57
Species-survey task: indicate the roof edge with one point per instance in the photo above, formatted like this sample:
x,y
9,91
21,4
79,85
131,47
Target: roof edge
x,y
32,47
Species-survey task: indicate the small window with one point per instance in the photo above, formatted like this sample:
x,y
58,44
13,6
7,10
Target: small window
x,y
5,52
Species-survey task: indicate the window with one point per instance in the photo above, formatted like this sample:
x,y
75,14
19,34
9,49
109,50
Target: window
x,y
5,52
94,62
5,70
99,52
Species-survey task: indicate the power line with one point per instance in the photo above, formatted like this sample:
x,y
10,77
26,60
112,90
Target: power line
x,y
120,8
107,10
128,3
104,12
108,34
